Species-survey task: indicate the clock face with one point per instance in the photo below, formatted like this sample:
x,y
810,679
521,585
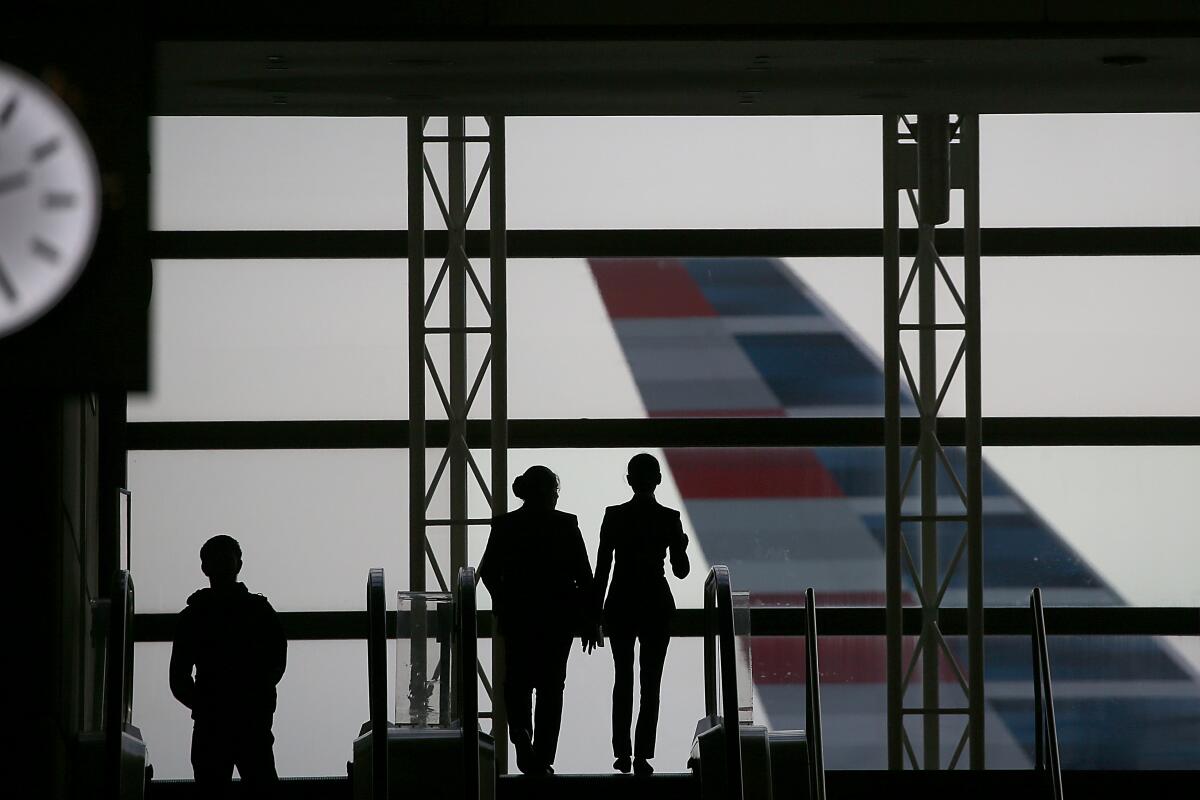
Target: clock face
x,y
49,199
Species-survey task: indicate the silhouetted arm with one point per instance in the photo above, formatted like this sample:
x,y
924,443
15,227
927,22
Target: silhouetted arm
x,y
604,558
581,567
183,661
680,565
276,646
490,572
581,576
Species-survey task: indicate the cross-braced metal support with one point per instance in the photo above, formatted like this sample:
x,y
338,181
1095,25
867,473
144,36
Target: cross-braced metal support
x,y
925,159
457,388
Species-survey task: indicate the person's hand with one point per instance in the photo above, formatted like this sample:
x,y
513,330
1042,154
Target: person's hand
x,y
591,640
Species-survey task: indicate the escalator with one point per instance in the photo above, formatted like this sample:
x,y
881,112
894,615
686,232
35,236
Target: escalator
x,y
112,762
424,751
1047,763
659,786
434,747
771,765
762,764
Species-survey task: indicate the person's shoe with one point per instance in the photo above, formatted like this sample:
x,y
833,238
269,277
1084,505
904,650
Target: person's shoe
x,y
642,767
527,762
622,765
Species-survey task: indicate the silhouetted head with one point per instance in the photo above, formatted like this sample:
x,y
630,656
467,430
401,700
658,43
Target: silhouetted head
x,y
644,473
537,486
221,560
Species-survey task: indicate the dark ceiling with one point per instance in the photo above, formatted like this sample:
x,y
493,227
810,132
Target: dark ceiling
x,y
678,77
672,57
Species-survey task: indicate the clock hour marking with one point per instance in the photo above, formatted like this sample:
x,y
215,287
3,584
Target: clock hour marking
x,y
44,249
58,200
46,149
14,181
6,286
10,108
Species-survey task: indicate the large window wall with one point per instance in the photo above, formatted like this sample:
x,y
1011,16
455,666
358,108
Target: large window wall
x,y
290,173
325,341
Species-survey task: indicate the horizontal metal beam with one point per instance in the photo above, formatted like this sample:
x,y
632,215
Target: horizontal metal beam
x,y
845,784
681,243
713,26
689,622
687,432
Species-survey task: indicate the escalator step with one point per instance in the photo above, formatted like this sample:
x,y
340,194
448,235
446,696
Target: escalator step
x,y
663,786
660,786
289,789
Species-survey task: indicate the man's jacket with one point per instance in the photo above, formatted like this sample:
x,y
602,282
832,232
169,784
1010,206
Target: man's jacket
x,y
235,643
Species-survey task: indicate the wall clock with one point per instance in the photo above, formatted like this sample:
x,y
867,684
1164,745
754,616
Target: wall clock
x,y
49,199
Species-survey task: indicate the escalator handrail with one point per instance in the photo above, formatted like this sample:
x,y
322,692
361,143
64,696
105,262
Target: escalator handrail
x,y
1046,752
812,708
377,680
719,642
466,635
118,679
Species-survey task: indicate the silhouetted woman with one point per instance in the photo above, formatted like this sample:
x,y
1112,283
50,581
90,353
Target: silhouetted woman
x,y
536,568
640,533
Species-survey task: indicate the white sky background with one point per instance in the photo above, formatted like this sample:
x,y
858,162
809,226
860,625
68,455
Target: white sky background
x,y
316,339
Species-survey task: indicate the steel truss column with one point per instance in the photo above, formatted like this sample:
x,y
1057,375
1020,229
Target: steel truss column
x,y
917,160
969,134
456,384
499,287
456,380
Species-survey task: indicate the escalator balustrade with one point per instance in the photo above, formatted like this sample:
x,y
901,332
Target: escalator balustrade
x,y
425,750
763,764
113,762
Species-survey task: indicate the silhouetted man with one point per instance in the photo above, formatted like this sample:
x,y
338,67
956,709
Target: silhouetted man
x,y
640,533
235,644
537,571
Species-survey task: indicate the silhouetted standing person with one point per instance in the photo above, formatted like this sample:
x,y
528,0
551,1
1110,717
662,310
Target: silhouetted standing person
x,y
537,571
640,534
235,644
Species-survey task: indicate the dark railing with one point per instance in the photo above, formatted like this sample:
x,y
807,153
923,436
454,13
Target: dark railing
x,y
812,707
1046,755
659,432
377,681
674,243
118,679
125,503
468,688
782,621
719,643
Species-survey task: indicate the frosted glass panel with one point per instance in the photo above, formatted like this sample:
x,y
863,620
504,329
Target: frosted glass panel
x,y
216,173
322,704
310,523
278,173
1087,170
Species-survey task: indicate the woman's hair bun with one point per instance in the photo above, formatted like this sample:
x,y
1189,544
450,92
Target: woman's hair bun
x,y
537,481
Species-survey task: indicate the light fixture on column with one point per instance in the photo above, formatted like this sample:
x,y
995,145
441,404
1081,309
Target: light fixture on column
x,y
933,168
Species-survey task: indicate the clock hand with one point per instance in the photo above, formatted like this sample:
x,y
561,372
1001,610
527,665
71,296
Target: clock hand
x,y
6,286
14,181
